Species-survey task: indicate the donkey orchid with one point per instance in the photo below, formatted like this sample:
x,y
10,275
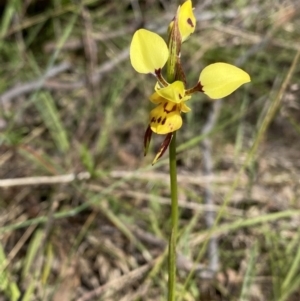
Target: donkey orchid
x,y
149,53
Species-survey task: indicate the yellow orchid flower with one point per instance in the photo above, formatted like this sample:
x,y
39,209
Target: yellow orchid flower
x,y
149,53
164,119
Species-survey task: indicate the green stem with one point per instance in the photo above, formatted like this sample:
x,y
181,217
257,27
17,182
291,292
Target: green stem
x,y
174,219
174,45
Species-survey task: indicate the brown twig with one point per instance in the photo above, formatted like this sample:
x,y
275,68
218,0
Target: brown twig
x,y
44,180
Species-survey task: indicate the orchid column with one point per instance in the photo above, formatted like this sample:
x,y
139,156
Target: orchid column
x,y
149,53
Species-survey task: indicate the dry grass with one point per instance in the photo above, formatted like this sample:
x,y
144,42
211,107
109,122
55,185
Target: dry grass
x,y
84,216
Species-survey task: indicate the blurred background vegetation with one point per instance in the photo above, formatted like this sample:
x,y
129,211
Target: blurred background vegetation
x,y
84,216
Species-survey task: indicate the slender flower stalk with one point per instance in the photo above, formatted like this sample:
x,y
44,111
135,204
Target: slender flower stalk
x,y
149,53
172,75
174,220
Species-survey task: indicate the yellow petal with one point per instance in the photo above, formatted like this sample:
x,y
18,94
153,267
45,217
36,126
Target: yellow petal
x,y
174,92
184,108
221,79
186,20
165,118
156,98
148,51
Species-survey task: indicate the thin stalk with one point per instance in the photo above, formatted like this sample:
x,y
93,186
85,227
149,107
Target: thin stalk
x,y
174,219
174,44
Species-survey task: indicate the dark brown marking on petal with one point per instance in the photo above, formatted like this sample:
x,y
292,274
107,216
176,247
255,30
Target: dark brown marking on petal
x,y
153,119
190,22
159,119
165,110
180,97
174,108
164,121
